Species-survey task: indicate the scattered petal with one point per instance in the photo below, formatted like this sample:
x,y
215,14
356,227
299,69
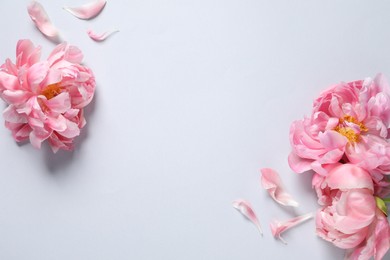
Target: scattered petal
x,y
277,228
246,209
273,184
41,19
100,37
87,11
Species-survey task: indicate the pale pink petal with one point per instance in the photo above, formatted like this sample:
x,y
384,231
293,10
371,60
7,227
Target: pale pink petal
x,y
277,228
246,209
37,136
22,133
41,19
15,96
349,176
11,115
87,11
299,164
57,124
65,52
273,184
332,140
59,104
36,74
100,37
8,81
72,130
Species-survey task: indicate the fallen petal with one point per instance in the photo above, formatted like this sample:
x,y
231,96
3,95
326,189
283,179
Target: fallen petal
x,y
87,11
245,208
277,228
100,37
41,19
271,181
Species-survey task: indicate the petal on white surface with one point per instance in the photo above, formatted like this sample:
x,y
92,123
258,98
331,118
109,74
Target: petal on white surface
x,y
271,181
245,208
41,19
277,227
100,37
87,11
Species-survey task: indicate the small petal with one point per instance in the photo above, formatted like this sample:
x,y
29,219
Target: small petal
x,y
246,209
11,115
8,81
36,74
271,181
41,19
87,11
100,37
59,104
277,228
15,96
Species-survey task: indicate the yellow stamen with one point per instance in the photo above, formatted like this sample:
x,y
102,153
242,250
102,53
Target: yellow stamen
x,y
351,119
352,136
51,90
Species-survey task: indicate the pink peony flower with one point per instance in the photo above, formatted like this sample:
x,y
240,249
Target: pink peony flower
x,y
46,98
350,218
349,123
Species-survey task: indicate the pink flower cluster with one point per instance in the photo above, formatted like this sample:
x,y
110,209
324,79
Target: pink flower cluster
x,y
46,98
345,142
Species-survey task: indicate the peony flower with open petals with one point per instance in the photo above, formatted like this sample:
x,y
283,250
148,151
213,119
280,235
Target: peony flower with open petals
x,y
46,98
350,218
350,124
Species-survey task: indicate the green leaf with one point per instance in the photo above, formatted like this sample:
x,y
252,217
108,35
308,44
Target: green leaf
x,y
381,205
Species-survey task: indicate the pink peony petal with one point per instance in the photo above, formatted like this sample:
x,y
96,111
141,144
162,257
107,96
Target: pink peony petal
x,y
87,11
271,181
277,228
41,19
246,209
11,115
8,81
100,37
349,176
298,164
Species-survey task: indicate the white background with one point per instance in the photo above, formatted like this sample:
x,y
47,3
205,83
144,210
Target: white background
x,y
192,99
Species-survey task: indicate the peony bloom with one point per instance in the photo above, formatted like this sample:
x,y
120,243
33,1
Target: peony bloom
x,y
46,98
349,123
350,218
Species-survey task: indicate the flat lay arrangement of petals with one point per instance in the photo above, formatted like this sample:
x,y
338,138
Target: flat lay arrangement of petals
x,y
345,144
85,12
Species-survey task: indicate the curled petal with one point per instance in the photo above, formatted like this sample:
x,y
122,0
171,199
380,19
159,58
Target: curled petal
x,y
298,164
273,184
100,37
11,115
41,19
8,81
277,228
246,209
87,11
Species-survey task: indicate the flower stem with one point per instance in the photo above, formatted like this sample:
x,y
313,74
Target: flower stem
x,y
386,200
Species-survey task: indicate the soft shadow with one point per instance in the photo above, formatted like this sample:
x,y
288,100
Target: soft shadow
x,y
57,162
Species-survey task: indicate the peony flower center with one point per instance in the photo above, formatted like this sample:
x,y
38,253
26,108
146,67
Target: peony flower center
x,y
51,90
351,128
